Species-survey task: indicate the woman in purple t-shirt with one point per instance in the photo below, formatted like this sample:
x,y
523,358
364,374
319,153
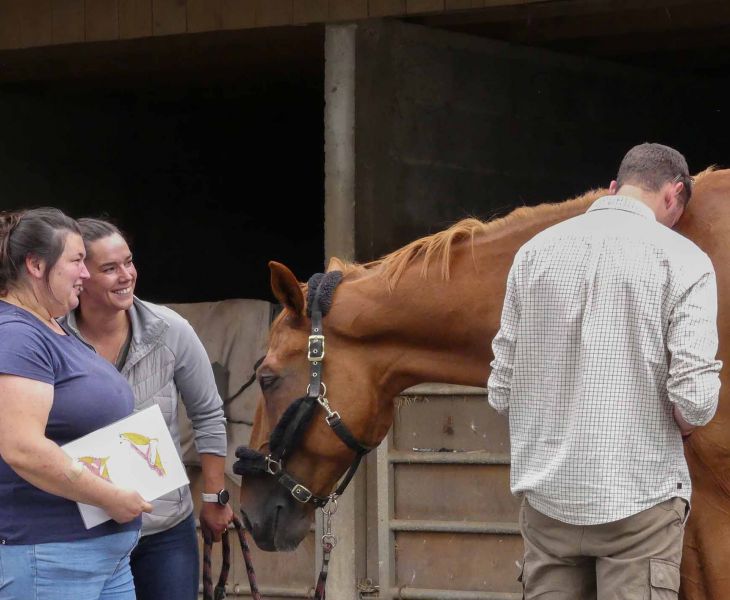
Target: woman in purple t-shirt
x,y
53,389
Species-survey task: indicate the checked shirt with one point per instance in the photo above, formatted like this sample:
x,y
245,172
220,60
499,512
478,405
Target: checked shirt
x,y
609,320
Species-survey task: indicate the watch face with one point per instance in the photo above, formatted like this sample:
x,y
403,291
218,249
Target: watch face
x,y
223,497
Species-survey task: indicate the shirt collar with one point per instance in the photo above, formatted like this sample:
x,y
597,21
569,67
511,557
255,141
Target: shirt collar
x,y
625,203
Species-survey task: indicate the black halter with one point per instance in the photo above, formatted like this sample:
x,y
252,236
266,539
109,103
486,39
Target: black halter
x,y
289,430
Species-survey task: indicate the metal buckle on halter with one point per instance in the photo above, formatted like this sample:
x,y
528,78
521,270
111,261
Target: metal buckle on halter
x,y
315,348
273,467
301,493
333,416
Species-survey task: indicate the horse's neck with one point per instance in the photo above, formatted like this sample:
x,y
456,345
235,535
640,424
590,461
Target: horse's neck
x,y
433,329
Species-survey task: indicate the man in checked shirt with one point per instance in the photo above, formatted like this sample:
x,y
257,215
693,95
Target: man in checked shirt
x,y
605,358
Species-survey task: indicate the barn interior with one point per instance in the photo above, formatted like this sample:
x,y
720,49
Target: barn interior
x,y
208,149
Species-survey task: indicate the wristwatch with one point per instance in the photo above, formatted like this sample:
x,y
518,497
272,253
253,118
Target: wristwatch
x,y
221,497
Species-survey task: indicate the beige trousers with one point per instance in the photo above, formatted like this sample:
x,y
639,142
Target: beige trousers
x,y
636,558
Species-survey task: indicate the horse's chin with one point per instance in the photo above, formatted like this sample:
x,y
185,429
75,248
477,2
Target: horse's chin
x,y
277,537
277,522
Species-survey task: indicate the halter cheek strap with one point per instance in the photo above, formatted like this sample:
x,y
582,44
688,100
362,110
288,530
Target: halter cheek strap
x,y
288,431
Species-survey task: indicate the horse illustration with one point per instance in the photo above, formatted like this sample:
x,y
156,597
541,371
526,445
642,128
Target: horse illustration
x,y
428,313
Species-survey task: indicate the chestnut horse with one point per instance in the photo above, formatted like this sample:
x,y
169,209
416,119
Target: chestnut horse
x,y
428,312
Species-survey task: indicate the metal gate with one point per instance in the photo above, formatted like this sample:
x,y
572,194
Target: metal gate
x,y
447,522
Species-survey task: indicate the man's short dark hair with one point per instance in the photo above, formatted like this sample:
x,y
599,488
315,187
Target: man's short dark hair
x,y
651,166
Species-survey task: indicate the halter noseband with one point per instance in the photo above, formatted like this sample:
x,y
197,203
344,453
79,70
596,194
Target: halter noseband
x,y
288,432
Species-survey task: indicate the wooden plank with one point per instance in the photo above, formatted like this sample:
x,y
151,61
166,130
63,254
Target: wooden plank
x,y
102,20
67,21
385,8
238,14
36,26
169,17
10,18
135,18
348,10
310,11
273,12
459,4
205,15
424,6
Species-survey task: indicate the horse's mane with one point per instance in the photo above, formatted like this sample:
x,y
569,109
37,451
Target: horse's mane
x,y
437,247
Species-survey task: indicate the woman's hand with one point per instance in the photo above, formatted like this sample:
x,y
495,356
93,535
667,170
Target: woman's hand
x,y
126,505
215,518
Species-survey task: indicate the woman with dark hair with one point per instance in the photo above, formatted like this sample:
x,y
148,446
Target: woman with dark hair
x,y
54,389
161,356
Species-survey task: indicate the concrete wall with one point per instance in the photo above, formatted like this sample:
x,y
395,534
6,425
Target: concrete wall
x,y
449,126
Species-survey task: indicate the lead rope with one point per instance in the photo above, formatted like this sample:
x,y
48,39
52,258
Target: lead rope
x,y
220,589
329,541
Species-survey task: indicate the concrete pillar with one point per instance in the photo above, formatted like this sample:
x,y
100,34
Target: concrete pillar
x,y
348,559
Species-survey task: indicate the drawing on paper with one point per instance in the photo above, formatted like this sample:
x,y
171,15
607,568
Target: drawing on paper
x,y
96,465
147,448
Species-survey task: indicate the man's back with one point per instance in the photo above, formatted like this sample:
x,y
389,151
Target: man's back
x,y
607,311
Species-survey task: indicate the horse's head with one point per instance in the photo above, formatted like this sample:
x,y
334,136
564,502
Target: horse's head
x,y
317,460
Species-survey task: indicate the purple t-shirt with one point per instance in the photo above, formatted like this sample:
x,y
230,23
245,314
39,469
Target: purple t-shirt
x,y
88,393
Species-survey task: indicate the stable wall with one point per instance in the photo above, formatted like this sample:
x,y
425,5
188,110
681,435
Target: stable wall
x,y
448,126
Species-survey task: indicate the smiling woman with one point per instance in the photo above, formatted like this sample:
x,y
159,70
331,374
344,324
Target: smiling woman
x,y
159,354
54,389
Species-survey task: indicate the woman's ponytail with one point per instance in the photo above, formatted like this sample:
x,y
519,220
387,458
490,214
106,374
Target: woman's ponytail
x,y
8,223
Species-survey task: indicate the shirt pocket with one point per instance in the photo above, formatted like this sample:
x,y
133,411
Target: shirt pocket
x,y
664,579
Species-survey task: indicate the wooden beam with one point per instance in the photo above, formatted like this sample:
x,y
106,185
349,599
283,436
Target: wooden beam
x,y
204,15
273,12
135,18
348,10
458,4
386,8
36,25
238,14
498,11
680,18
10,19
102,20
169,17
67,21
310,11
424,6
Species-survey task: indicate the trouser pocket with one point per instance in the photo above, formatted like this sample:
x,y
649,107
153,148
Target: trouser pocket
x,y
663,579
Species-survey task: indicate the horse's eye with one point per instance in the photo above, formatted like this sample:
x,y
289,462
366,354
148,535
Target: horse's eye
x,y
267,381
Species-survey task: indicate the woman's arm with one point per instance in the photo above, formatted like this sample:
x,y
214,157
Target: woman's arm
x,y
24,406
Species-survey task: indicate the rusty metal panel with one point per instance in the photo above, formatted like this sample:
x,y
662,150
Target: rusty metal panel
x,y
453,422
447,519
457,561
454,492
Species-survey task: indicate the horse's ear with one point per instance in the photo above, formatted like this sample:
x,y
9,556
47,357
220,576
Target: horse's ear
x,y
335,264
286,288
